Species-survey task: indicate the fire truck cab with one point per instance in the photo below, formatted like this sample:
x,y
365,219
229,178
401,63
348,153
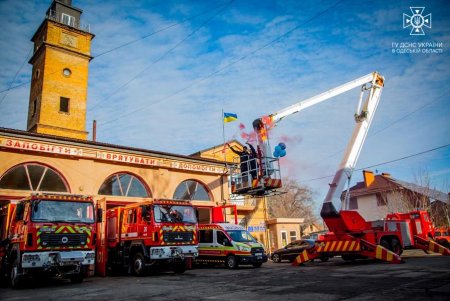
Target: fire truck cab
x,y
48,234
442,236
151,235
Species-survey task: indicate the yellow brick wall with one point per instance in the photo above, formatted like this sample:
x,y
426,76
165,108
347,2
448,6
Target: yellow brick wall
x,y
223,153
65,47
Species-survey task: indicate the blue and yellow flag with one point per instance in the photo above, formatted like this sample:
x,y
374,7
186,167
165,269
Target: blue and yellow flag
x,y
229,117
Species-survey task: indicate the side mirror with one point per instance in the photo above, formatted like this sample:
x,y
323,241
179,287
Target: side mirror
x,y
146,213
99,215
226,242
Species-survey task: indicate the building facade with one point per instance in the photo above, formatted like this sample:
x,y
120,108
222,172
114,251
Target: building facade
x,y
379,195
32,162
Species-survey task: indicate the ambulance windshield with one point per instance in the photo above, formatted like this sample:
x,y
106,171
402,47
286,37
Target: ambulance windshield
x,y
241,236
61,211
174,214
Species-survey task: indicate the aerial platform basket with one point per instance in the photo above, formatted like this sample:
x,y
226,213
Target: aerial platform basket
x,y
256,177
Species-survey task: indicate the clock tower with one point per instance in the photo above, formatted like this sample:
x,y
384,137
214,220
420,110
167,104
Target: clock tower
x,y
58,93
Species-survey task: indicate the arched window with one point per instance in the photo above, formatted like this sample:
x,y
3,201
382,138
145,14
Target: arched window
x,y
123,184
34,177
191,190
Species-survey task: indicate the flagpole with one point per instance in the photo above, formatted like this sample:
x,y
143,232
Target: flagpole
x,y
224,159
223,134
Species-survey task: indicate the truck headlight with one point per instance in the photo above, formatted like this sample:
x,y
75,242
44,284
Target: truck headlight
x,y
243,248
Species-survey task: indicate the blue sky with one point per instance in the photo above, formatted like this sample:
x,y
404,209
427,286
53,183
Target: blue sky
x,y
188,60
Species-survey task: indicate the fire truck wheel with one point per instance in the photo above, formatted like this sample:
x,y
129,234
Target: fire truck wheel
x,y
324,258
179,268
139,264
16,278
385,244
231,262
396,247
276,258
348,257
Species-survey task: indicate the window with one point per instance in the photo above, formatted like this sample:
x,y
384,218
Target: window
x,y
241,236
174,214
34,107
37,73
293,244
64,104
353,205
204,215
34,177
131,216
68,211
206,236
191,190
283,238
222,239
293,235
67,19
123,184
381,200
67,72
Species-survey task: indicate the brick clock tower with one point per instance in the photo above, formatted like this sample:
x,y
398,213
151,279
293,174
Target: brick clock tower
x,y
58,95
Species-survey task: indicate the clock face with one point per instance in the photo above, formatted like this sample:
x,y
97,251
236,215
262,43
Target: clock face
x,y
69,40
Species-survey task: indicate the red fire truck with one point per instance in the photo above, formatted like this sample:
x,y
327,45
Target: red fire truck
x,y
47,234
151,235
355,238
442,236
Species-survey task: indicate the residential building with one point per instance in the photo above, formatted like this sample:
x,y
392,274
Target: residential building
x,y
380,194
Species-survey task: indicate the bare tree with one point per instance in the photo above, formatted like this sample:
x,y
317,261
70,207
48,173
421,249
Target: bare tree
x,y
422,197
295,201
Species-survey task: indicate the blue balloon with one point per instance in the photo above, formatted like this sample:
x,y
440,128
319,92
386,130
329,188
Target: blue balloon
x,y
283,153
278,148
282,145
276,154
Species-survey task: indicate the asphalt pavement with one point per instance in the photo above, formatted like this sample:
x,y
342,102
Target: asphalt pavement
x,y
421,277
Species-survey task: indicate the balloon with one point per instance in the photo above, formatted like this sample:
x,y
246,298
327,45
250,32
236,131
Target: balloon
x,y
282,145
282,153
278,149
276,154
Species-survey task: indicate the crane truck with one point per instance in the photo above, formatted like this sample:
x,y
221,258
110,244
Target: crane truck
x,y
350,235
47,234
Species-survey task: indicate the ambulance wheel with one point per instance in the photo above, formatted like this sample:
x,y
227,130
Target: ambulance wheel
x,y
257,264
138,264
16,278
276,258
231,262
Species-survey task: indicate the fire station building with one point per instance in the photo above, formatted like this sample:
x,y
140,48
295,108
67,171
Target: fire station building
x,y
54,155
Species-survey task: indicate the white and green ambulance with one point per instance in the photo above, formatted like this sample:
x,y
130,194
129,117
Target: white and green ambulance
x,y
229,244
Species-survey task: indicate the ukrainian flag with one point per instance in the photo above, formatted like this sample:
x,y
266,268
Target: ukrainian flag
x,y
229,117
